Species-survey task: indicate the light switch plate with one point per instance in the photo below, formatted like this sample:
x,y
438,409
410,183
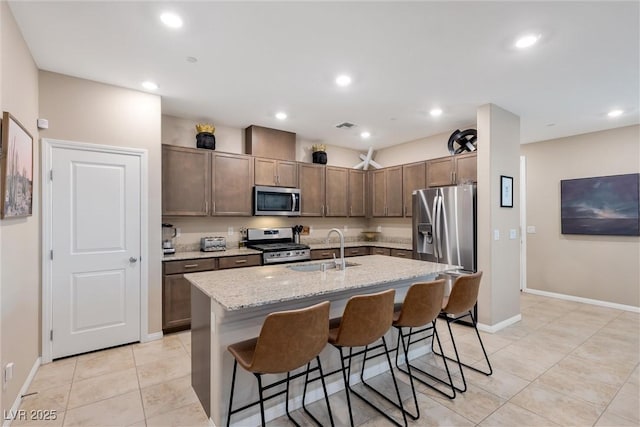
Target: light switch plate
x,y
379,229
513,234
230,231
531,229
496,234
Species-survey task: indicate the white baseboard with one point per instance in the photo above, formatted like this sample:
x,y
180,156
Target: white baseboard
x,y
492,329
152,337
23,390
608,304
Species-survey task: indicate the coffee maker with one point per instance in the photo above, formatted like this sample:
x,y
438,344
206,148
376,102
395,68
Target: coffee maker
x,y
168,234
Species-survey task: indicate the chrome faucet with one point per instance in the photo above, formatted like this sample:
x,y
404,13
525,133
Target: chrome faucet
x,y
339,265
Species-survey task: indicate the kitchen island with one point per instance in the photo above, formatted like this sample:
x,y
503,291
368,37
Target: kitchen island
x,y
229,306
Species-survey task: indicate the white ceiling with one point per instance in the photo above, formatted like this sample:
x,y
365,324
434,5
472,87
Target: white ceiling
x,y
258,58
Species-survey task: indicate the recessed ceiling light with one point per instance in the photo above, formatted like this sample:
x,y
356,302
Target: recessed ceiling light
x,y
192,59
435,112
281,116
365,134
527,41
171,20
149,85
343,80
615,113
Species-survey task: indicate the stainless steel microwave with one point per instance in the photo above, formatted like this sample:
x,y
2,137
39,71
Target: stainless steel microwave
x,y
276,201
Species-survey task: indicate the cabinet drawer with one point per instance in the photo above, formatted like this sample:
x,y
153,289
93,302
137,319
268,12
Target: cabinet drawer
x,y
325,253
189,265
380,251
358,251
239,261
402,253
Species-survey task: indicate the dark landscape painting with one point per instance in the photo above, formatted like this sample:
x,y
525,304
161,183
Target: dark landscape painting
x,y
605,205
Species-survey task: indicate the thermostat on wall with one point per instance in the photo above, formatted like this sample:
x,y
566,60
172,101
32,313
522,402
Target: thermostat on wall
x,y
43,124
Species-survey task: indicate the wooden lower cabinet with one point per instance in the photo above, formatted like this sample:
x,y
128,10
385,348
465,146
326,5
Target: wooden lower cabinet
x,y
356,251
379,251
402,253
176,303
325,253
239,261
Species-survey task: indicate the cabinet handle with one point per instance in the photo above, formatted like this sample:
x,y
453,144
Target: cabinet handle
x,y
275,179
190,265
325,254
350,210
401,254
241,261
214,206
327,209
206,207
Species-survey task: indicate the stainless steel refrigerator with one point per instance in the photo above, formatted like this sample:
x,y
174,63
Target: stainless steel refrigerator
x,y
444,226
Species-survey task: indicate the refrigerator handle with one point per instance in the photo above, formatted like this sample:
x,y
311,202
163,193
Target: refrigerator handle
x,y
438,228
434,213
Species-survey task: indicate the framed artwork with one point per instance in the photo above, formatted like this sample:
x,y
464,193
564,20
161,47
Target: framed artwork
x,y
506,191
17,169
604,205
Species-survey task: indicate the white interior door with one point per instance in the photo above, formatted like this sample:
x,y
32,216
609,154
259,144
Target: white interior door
x,y
96,240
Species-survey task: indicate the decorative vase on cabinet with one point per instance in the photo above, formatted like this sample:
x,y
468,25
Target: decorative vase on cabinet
x,y
205,137
319,154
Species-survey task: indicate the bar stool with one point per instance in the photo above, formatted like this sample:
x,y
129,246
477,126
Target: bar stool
x,y
288,340
459,304
420,308
365,320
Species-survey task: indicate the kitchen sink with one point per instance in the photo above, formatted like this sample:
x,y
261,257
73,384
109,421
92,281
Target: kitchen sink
x,y
319,267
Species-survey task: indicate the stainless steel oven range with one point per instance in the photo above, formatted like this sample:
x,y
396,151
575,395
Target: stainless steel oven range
x,y
277,245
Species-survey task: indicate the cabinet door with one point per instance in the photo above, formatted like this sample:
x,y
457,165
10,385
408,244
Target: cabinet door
x,y
337,181
233,182
176,302
271,143
265,171
440,172
287,174
185,181
311,180
378,191
356,251
239,261
357,188
325,253
393,190
414,177
466,168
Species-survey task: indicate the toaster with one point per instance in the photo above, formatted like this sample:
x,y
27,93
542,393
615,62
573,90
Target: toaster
x,y
211,244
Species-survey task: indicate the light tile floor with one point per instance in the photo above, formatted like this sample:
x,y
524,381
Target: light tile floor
x,y
564,364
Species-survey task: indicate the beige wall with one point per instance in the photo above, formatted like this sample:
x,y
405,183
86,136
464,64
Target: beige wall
x,y
85,111
182,132
499,137
605,268
20,241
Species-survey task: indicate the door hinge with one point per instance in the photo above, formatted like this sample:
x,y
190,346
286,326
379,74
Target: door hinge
x,y
51,174
51,254
51,335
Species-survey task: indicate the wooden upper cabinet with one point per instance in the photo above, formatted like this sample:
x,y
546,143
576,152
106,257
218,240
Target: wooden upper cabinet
x,y
311,182
414,177
357,192
386,192
185,181
273,172
232,184
270,143
452,170
440,172
466,168
336,197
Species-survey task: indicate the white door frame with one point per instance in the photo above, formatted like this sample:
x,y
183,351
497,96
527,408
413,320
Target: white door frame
x,y
46,159
523,223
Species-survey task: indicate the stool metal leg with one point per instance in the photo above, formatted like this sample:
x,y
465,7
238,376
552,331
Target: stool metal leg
x,y
233,383
347,388
259,377
324,389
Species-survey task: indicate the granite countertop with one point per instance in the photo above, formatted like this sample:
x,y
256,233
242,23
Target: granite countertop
x,y
179,256
249,287
336,245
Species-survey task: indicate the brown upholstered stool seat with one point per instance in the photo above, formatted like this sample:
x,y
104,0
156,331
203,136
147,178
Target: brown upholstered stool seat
x,y
366,319
288,340
418,313
459,304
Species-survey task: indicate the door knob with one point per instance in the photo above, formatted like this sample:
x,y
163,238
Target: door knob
x,y
132,259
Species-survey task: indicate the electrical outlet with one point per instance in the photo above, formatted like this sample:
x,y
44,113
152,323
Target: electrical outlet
x,y
496,234
531,229
8,375
379,229
177,232
346,228
513,234
230,231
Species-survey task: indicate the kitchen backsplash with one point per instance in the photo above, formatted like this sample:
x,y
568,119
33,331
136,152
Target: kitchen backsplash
x,y
192,229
